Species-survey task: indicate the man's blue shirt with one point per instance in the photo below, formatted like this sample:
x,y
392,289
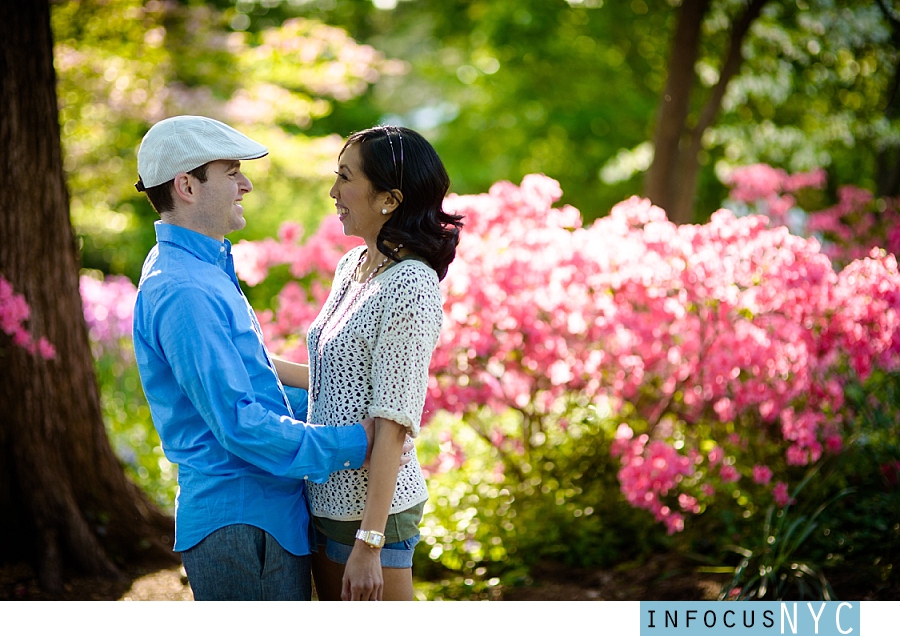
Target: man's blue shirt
x,y
221,413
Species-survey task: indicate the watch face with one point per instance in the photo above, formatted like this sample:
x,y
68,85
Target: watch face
x,y
370,537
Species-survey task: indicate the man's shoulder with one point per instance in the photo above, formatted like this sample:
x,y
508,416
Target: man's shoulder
x,y
179,286
166,266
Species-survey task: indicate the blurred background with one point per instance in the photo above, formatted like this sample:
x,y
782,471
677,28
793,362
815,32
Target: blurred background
x,y
502,89
666,99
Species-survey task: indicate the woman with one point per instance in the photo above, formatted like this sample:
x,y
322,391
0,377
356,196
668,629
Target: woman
x,y
369,352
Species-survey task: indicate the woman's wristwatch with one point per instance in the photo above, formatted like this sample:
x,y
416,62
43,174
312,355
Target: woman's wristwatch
x,y
371,538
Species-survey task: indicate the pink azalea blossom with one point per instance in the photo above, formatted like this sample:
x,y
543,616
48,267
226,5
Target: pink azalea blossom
x,y
108,310
729,474
14,313
780,494
762,474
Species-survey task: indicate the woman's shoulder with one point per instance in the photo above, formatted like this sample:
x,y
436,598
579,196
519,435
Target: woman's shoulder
x,y
412,271
349,259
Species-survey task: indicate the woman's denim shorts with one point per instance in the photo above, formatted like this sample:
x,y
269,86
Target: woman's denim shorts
x,y
393,555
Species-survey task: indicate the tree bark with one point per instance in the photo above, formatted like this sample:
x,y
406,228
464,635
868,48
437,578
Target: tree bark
x,y
888,159
671,181
660,183
66,503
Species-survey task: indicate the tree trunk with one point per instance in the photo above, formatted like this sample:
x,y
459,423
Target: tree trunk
x,y
671,181
661,182
66,503
887,162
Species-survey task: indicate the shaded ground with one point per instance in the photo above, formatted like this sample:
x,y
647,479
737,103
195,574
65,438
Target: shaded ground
x,y
661,578
672,578
18,583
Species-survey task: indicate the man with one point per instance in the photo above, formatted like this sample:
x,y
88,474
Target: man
x,y
216,400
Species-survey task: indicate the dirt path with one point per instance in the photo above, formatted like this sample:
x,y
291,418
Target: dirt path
x,y
663,578
17,583
656,579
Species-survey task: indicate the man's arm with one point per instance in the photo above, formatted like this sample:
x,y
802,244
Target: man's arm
x,y
195,333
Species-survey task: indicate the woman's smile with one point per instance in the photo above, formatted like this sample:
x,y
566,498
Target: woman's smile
x,y
357,205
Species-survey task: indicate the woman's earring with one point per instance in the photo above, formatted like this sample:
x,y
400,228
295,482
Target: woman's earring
x,y
384,210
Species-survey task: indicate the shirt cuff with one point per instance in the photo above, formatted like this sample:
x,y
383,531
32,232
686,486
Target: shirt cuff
x,y
353,444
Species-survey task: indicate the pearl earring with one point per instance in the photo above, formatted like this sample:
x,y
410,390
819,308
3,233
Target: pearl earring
x,y
384,210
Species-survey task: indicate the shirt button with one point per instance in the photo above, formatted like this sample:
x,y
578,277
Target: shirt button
x,y
305,476
346,463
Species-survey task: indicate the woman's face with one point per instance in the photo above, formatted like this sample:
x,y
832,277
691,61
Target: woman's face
x,y
358,207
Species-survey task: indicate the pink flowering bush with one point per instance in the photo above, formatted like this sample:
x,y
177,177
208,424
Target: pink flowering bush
x,y
108,311
302,272
733,334
850,229
595,387
719,351
14,313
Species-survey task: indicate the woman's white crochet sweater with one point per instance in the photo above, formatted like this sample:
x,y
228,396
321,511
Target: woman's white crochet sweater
x,y
375,350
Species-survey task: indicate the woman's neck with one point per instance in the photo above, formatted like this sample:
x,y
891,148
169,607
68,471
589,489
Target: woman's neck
x,y
376,261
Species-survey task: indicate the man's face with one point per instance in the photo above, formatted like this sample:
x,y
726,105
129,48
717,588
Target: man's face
x,y
219,210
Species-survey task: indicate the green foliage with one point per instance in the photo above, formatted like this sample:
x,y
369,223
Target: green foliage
x,y
772,567
505,89
500,512
813,92
126,415
570,89
863,528
125,64
856,529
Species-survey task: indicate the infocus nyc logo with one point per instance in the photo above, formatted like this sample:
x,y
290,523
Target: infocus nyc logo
x,y
750,618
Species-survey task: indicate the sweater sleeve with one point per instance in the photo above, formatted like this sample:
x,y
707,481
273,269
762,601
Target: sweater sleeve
x,y
410,326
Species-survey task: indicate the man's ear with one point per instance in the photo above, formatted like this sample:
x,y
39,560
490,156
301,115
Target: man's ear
x,y
184,187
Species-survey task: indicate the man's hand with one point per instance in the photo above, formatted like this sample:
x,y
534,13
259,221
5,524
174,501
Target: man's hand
x,y
368,425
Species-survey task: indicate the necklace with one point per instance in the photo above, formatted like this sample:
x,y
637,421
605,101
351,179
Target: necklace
x,y
316,380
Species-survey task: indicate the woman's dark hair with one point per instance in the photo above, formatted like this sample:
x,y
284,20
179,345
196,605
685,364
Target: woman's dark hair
x,y
396,158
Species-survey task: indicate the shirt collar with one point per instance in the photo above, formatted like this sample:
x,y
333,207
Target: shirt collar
x,y
203,247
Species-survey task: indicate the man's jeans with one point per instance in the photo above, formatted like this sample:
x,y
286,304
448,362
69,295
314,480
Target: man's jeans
x,y
244,563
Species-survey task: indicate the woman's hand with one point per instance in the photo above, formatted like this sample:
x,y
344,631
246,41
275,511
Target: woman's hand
x,y
363,580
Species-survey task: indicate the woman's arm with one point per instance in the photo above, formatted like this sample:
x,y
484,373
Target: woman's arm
x,y
363,579
292,373
411,324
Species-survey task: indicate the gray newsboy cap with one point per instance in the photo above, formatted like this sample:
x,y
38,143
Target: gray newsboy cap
x,y
180,144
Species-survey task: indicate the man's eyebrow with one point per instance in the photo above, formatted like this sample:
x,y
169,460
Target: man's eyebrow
x,y
234,164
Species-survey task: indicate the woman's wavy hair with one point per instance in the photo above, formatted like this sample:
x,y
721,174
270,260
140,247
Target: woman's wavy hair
x,y
393,157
